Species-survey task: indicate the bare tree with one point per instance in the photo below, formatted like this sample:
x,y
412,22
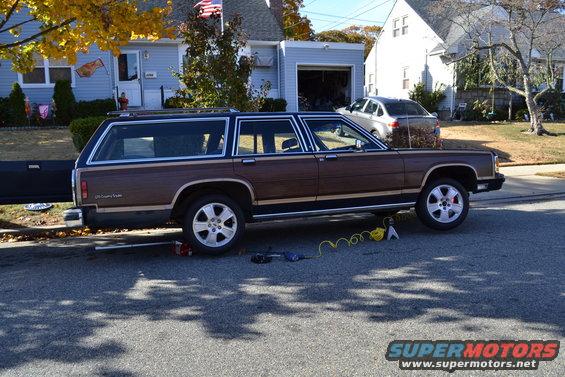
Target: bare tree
x,y
520,38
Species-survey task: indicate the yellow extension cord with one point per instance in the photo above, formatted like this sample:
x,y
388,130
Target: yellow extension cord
x,y
376,234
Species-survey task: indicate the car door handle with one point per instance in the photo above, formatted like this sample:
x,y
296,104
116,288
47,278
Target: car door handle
x,y
248,161
329,157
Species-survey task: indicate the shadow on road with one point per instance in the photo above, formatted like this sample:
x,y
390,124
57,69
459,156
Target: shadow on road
x,y
55,298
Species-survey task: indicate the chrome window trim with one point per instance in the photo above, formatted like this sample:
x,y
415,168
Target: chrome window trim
x,y
361,130
89,162
238,119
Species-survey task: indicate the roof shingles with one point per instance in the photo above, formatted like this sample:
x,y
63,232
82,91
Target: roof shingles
x,y
258,19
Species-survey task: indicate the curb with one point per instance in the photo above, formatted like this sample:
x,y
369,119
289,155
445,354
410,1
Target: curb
x,y
518,199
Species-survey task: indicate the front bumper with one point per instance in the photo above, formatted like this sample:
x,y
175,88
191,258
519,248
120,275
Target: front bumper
x,y
73,217
490,184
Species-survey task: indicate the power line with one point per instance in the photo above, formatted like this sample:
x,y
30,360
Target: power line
x,y
351,13
358,14
336,16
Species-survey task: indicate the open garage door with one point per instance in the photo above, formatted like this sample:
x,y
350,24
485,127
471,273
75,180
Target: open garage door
x,y
322,88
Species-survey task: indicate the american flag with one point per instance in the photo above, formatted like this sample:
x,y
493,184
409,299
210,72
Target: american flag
x,y
209,7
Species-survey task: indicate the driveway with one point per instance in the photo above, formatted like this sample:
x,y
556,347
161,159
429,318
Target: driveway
x,y
68,310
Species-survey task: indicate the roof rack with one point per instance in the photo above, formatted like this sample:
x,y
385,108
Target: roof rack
x,y
134,113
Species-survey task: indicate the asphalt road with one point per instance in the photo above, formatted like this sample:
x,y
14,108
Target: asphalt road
x,y
68,310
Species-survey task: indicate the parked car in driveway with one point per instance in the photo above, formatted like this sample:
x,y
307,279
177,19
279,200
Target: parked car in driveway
x,y
213,172
383,115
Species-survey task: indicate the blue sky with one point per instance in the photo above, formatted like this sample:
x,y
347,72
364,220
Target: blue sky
x,y
339,14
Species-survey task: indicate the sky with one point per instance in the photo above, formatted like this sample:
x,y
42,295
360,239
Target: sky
x,y
339,14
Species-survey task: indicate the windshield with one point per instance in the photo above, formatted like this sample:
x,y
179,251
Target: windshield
x,y
405,108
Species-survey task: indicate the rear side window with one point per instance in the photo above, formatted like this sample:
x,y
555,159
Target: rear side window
x,y
125,142
358,105
405,108
371,107
267,137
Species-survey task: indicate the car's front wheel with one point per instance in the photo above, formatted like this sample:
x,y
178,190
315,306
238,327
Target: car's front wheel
x,y
443,204
213,224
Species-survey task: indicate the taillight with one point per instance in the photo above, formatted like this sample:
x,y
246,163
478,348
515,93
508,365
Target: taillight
x,y
394,124
83,189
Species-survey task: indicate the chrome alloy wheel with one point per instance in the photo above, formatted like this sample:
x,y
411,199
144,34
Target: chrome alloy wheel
x,y
215,224
445,203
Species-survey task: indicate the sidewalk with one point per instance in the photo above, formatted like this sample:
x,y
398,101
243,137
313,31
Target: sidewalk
x,y
522,182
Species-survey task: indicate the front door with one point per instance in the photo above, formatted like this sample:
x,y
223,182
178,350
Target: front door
x,y
353,173
271,154
128,76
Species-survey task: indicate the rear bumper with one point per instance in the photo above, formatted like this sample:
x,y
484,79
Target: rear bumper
x,y
490,184
89,216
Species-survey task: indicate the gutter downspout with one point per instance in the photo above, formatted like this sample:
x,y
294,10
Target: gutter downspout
x,y
279,70
453,89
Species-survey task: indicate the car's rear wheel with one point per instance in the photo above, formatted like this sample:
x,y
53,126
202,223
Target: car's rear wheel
x,y
213,224
443,204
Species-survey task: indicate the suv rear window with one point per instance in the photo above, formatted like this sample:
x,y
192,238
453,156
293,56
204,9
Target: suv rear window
x,y
162,140
404,108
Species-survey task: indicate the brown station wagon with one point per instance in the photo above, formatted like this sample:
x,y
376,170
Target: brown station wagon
x,y
213,172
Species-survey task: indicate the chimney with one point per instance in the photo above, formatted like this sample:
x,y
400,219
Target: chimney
x,y
277,9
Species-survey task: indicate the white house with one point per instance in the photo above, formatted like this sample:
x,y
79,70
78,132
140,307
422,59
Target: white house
x,y
405,53
417,46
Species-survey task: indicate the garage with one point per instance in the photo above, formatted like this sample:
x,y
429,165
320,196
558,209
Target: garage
x,y
320,76
323,88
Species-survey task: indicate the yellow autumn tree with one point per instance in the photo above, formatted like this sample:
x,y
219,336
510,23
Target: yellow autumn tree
x,y
60,29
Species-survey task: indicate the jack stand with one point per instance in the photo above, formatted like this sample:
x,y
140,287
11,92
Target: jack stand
x,y
390,233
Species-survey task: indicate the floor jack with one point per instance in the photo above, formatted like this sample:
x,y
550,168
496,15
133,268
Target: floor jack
x,y
178,248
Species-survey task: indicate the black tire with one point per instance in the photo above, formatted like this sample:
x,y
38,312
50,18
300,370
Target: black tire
x,y
450,220
195,239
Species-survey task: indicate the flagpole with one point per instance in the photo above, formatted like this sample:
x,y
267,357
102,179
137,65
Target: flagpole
x,y
222,19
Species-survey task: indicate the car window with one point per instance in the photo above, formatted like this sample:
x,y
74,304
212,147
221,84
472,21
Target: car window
x,y
266,137
358,105
336,135
405,108
162,140
371,107
380,111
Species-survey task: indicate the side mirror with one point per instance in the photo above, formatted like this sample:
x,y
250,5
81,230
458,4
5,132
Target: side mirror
x,y
359,145
289,143
348,107
435,114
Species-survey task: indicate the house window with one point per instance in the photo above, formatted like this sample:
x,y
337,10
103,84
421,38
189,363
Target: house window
x,y
405,79
396,27
47,72
404,25
371,78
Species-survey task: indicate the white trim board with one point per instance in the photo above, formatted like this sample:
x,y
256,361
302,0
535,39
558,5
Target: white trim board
x,y
322,45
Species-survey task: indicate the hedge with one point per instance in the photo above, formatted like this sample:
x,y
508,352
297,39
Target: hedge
x,y
82,130
419,138
97,107
16,107
4,111
273,105
65,102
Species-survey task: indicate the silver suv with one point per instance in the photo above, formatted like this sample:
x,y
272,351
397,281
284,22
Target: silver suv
x,y
382,115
